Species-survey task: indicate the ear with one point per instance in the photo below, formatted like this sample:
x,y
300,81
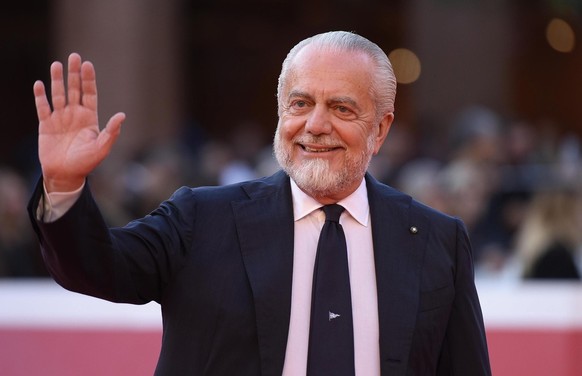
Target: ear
x,y
382,131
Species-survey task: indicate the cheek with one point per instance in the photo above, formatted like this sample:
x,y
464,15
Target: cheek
x,y
355,138
288,128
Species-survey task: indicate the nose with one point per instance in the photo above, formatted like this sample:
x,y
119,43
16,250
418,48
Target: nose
x,y
319,121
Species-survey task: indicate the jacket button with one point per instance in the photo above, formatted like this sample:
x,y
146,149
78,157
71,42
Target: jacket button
x,y
413,230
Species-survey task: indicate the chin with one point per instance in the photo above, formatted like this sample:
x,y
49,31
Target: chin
x,y
316,177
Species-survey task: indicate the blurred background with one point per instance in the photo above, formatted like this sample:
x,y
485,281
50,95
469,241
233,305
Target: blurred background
x,y
488,128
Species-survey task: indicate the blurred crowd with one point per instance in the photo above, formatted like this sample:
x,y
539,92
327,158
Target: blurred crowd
x,y
517,186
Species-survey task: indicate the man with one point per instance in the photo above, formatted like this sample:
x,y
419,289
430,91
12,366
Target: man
x,y
232,266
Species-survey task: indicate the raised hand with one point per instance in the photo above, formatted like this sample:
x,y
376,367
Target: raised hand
x,y
70,142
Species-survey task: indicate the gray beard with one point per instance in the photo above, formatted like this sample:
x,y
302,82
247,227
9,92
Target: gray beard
x,y
315,178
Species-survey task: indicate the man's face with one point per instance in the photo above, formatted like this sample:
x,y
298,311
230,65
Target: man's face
x,y
328,130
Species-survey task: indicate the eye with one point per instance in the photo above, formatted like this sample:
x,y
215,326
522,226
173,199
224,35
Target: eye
x,y
344,110
299,104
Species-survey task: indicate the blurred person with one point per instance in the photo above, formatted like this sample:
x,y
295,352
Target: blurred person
x,y
152,177
237,268
521,142
477,135
476,144
395,153
19,256
495,232
212,159
466,191
474,180
549,239
420,179
569,158
246,142
519,172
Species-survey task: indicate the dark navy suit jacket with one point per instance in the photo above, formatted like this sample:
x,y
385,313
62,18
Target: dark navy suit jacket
x,y
219,261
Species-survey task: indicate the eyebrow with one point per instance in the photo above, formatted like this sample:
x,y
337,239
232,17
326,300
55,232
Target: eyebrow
x,y
344,100
299,94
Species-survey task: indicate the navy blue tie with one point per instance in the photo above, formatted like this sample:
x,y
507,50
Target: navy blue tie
x,y
331,333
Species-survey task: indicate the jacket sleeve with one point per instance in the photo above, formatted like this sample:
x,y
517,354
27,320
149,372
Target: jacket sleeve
x,y
130,264
464,351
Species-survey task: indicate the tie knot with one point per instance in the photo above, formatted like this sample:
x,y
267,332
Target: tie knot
x,y
333,212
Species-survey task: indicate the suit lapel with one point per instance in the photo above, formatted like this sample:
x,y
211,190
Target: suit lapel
x,y
265,230
398,252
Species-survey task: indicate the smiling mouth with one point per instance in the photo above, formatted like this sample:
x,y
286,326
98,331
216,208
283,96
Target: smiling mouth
x,y
318,150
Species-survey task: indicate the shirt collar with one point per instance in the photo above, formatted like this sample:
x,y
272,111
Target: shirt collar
x,y
356,204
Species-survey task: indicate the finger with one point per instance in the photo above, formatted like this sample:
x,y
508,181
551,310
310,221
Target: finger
x,y
43,109
74,79
107,137
57,86
88,86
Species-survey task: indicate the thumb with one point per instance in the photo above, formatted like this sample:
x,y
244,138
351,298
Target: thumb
x,y
109,134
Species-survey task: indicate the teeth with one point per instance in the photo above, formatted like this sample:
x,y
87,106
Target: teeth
x,y
311,150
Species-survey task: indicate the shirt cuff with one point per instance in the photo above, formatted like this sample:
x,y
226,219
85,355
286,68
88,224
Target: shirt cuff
x,y
54,205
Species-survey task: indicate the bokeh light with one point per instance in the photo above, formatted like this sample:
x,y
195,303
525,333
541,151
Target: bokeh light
x,y
406,65
560,35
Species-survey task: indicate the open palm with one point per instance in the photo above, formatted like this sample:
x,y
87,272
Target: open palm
x,y
70,143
